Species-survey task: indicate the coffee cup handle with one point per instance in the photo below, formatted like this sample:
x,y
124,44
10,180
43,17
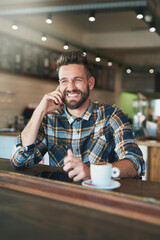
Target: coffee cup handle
x,y
115,172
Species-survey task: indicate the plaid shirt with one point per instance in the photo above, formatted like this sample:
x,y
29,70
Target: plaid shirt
x,y
101,134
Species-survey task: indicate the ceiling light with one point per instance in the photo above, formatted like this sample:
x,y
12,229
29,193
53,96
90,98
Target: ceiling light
x,y
66,47
128,70
110,63
151,70
152,28
92,17
139,14
14,26
44,38
98,59
49,19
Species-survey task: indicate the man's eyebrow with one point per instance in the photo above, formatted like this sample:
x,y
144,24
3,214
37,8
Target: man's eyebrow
x,y
79,77
62,78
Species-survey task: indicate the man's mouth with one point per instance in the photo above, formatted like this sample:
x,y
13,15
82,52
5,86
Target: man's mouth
x,y
72,95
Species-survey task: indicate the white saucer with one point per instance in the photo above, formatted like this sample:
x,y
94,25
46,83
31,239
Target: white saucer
x,y
113,185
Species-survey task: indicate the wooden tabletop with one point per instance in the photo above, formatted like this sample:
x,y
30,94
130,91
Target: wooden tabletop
x,y
149,141
133,187
36,208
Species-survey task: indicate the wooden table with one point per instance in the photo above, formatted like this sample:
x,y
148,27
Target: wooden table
x,y
36,208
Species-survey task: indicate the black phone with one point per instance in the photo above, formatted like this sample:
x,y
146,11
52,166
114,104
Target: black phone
x,y
59,176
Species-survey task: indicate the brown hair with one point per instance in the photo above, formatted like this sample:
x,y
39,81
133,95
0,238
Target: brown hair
x,y
75,57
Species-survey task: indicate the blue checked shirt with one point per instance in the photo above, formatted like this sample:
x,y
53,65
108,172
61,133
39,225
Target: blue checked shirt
x,y
101,134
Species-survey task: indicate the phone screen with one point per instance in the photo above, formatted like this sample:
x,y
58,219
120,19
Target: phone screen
x,y
59,176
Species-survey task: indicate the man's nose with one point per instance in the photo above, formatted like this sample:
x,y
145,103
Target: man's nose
x,y
71,85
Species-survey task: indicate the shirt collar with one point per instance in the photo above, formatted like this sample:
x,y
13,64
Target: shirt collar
x,y
85,116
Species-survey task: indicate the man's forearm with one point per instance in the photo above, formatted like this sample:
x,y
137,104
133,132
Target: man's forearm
x,y
29,134
126,168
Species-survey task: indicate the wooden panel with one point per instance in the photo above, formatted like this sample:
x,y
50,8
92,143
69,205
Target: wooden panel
x,y
25,216
104,201
153,158
154,164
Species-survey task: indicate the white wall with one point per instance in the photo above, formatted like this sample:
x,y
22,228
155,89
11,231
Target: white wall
x,y
16,92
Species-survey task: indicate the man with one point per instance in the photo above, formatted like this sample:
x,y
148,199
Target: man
x,y
74,130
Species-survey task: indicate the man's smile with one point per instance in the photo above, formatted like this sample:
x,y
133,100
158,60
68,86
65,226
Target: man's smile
x,y
72,95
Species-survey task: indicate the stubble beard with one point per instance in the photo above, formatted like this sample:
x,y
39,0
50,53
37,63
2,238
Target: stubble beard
x,y
74,105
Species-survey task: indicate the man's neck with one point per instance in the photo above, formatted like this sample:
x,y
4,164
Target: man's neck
x,y
78,112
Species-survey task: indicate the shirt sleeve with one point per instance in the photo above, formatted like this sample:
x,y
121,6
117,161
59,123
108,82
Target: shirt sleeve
x,y
23,157
125,144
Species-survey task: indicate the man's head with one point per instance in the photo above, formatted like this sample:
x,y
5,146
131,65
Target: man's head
x,y
75,57
75,79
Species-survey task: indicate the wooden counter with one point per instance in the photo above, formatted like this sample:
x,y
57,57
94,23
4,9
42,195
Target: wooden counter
x,y
36,208
153,158
9,134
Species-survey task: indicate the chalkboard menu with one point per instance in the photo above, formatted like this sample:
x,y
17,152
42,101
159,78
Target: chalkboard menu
x,y
32,60
6,54
23,57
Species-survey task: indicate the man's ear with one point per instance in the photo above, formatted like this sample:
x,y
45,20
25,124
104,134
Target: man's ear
x,y
91,82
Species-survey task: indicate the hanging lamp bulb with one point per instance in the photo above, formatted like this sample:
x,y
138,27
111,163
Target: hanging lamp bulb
x,y
49,19
92,17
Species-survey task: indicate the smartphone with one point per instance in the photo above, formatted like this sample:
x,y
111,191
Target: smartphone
x,y
59,176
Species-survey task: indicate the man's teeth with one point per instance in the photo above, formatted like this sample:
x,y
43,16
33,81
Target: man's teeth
x,y
72,95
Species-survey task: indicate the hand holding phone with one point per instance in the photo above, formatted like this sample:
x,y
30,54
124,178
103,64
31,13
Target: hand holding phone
x,y
51,101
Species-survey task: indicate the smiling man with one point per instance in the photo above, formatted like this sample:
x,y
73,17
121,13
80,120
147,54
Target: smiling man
x,y
76,131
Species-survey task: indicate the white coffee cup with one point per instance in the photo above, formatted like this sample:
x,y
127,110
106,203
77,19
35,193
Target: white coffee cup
x,y
101,173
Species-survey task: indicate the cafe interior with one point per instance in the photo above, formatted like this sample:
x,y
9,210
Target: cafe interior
x,y
121,40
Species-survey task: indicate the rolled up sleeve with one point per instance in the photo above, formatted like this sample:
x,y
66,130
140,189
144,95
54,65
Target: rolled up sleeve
x,y
126,146
23,157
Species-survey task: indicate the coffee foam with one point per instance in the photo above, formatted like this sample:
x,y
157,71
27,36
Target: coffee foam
x,y
100,163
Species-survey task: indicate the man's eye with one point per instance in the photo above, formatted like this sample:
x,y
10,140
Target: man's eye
x,y
78,80
63,81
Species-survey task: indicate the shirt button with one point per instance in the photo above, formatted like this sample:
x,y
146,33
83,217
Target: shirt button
x,y
77,150
78,131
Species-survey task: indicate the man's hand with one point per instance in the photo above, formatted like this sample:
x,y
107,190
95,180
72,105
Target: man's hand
x,y
75,167
50,101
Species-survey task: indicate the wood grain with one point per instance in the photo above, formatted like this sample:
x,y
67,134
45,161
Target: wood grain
x,y
105,201
154,163
26,216
153,158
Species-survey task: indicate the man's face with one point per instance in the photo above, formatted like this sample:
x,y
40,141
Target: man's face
x,y
74,85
